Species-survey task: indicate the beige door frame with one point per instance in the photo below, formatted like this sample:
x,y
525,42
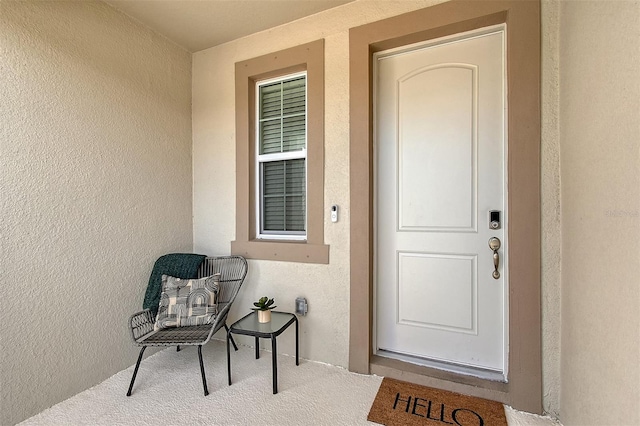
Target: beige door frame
x,y
522,17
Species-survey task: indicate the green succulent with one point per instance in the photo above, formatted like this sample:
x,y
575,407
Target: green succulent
x,y
264,304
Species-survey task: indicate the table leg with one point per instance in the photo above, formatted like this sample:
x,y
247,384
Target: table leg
x,y
297,350
228,357
257,347
274,364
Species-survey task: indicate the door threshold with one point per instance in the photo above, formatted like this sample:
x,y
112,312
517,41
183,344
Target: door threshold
x,y
449,367
439,379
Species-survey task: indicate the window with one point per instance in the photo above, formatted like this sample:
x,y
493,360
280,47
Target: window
x,y
280,156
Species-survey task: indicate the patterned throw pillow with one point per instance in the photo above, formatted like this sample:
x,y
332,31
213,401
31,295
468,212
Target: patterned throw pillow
x,y
187,302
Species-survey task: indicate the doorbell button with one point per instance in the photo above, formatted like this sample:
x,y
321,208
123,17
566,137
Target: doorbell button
x,y
334,213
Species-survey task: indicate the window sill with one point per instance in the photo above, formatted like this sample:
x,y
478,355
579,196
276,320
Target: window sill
x,y
285,251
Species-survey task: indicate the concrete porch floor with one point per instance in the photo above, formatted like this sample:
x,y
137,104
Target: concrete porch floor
x,y
168,390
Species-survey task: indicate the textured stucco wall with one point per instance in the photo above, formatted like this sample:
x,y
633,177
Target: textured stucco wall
x,y
551,251
95,180
324,331
600,166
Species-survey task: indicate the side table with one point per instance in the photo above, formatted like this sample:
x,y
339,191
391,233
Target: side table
x,y
249,326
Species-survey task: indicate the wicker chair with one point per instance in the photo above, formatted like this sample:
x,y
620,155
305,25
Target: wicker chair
x,y
233,270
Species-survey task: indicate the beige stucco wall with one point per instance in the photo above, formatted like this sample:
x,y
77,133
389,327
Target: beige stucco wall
x,y
98,106
95,183
600,169
551,251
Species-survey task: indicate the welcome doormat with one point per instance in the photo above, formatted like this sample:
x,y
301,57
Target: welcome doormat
x,y
406,404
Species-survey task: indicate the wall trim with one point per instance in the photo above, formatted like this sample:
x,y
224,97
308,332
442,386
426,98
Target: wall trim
x,y
524,388
309,57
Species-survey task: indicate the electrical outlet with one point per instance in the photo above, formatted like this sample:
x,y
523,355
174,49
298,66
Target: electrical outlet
x,y
301,306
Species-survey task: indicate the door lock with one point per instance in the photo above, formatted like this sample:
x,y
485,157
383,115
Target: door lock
x,y
494,219
494,244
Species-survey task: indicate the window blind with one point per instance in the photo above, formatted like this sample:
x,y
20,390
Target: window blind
x,y
282,156
284,195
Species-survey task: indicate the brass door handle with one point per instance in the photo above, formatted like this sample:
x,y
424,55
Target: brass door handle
x,y
494,245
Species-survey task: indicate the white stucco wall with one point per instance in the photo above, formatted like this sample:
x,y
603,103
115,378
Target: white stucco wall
x,y
600,169
325,329
95,184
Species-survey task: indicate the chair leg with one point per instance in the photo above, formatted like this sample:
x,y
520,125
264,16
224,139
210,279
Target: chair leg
x,y
230,337
204,379
135,371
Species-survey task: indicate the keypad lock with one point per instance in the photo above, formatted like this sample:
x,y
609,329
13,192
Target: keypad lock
x,y
494,219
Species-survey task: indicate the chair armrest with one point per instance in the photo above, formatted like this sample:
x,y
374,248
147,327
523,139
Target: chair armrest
x,y
220,320
141,323
225,309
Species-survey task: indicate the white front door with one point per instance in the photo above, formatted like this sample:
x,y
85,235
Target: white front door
x,y
440,143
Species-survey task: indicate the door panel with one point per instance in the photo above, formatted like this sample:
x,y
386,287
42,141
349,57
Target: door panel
x,y
429,150
434,306
440,161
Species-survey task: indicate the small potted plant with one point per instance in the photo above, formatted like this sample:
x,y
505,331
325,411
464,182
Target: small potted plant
x,y
264,306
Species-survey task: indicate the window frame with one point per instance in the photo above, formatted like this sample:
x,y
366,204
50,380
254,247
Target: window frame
x,y
307,57
261,234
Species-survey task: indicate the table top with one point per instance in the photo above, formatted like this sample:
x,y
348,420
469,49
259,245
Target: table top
x,y
249,324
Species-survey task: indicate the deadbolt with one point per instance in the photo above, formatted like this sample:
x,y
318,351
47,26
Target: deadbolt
x,y
494,219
